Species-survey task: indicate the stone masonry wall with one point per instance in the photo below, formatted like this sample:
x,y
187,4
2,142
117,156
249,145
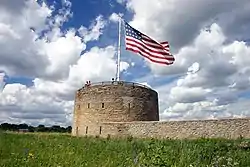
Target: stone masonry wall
x,y
132,110
224,128
112,103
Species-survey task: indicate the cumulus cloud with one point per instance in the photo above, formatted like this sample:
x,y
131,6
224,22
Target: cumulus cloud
x,y
209,79
211,91
114,17
49,100
187,95
94,31
96,65
179,22
18,103
54,49
56,59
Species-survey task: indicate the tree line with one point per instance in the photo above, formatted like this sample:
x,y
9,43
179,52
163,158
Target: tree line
x,y
29,128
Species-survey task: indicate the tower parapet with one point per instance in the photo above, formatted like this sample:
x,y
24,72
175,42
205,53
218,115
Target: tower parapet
x,y
113,102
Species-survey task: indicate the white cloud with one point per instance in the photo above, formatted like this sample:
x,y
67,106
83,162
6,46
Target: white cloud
x,y
94,31
187,94
63,52
212,59
19,103
114,17
49,100
55,59
216,87
208,78
202,51
179,22
55,50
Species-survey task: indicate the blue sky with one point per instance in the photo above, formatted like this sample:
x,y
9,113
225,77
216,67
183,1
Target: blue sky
x,y
41,76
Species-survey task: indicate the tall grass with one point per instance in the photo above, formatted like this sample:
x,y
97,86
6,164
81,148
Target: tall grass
x,y
34,150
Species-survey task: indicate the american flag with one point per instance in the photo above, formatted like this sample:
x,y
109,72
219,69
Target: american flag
x,y
147,47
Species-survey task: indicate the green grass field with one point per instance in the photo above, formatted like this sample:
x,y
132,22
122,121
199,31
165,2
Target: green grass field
x,y
56,150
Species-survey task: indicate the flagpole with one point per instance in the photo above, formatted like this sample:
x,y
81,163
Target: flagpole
x,y
118,51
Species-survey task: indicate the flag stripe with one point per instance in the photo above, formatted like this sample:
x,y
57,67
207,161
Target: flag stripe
x,y
153,55
147,47
150,49
150,39
152,43
165,44
149,58
157,56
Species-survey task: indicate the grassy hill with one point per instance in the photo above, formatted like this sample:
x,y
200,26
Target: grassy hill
x,y
57,150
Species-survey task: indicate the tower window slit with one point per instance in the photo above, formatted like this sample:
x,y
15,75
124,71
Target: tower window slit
x,y
129,108
86,130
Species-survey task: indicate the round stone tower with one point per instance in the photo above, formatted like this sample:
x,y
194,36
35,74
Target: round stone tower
x,y
112,102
